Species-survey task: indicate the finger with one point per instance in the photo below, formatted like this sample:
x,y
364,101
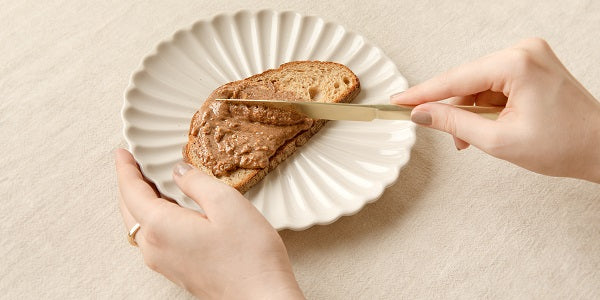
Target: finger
x,y
462,100
138,196
215,197
467,126
128,219
130,222
486,73
145,248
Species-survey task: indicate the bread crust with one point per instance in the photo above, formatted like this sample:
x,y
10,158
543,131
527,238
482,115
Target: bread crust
x,y
244,179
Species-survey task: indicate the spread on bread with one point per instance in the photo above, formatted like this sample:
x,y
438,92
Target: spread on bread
x,y
233,136
240,143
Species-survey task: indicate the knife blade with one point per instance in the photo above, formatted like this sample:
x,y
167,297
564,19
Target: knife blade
x,y
356,112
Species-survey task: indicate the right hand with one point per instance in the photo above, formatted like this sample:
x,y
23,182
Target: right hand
x,y
550,123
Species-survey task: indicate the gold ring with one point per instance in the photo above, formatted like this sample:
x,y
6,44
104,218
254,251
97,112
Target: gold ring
x,y
132,233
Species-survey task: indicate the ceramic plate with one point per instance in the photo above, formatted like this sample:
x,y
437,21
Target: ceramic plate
x,y
346,165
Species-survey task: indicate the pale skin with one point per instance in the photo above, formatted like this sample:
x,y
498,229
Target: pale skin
x,y
232,252
550,125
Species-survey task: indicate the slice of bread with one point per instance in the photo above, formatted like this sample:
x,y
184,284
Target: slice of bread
x,y
299,80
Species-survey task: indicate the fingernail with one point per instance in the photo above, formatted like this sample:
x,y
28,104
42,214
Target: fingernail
x,y
421,117
181,168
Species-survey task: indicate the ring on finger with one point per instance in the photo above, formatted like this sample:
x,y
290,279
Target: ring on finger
x,y
132,233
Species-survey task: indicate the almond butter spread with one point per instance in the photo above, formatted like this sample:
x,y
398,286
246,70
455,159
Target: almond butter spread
x,y
232,136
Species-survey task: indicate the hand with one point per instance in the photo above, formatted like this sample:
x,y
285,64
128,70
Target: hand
x,y
231,252
550,123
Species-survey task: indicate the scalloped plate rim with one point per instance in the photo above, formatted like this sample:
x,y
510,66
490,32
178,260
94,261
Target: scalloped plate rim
x,y
141,68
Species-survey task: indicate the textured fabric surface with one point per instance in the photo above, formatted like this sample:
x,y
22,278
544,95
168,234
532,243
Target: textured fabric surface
x,y
455,225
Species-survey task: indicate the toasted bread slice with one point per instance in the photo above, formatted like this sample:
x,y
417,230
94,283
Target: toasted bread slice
x,y
301,81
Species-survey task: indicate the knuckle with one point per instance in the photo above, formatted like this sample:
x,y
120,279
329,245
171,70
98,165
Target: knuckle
x,y
449,123
152,221
528,53
536,44
522,60
154,217
151,236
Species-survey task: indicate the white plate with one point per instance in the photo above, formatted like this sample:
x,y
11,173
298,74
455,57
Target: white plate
x,y
343,167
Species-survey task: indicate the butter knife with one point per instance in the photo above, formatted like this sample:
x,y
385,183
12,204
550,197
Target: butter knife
x,y
357,112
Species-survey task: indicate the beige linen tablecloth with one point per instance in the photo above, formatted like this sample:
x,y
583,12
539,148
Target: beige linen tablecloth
x,y
455,225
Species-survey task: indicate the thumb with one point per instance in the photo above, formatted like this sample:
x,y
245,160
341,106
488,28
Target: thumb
x,y
467,126
215,197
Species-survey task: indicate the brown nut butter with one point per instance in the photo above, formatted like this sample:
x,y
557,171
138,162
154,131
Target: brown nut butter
x,y
230,136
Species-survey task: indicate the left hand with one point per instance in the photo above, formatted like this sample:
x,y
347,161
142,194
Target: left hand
x,y
231,252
